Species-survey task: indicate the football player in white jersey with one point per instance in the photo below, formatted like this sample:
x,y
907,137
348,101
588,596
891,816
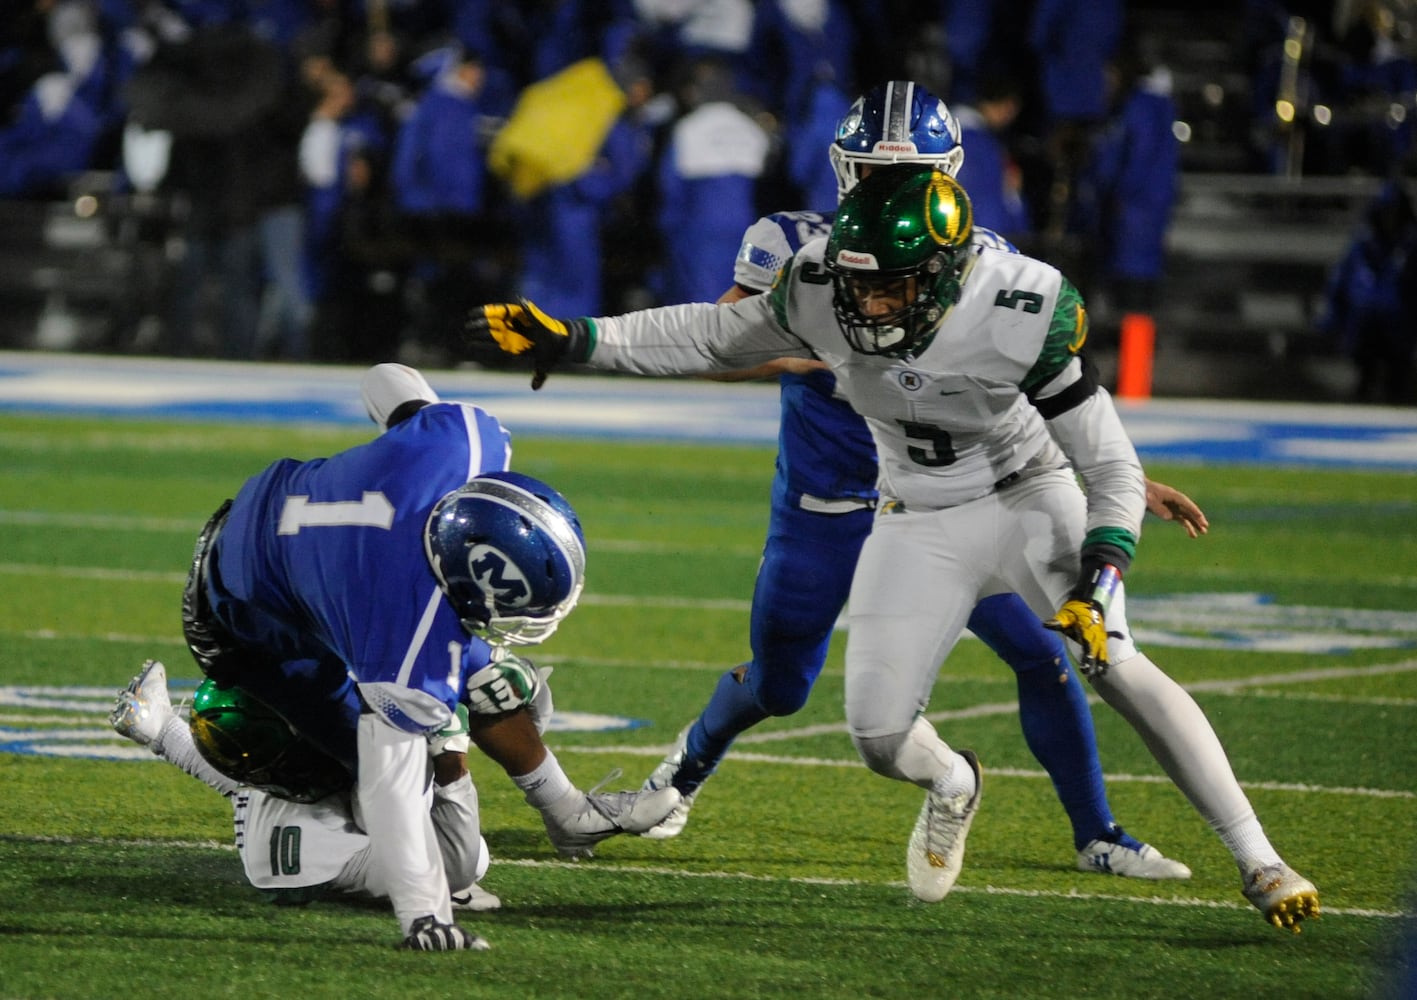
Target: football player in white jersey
x,y
965,366
302,840
823,496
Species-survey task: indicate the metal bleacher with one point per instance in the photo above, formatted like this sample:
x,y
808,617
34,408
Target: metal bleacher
x,y
1248,257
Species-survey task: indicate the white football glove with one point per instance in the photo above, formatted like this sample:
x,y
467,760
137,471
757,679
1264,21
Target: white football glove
x,y
506,683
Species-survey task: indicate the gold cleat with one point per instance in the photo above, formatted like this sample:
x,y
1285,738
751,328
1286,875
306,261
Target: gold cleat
x,y
1283,895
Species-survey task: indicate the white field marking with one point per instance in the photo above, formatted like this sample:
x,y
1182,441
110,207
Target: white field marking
x,y
1342,699
168,525
1303,676
104,522
1232,686
1006,772
637,547
605,868
102,744
683,603
1223,573
622,545
122,637
1244,621
1261,623
93,573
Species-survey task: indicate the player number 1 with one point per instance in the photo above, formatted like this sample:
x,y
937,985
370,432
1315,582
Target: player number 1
x,y
373,510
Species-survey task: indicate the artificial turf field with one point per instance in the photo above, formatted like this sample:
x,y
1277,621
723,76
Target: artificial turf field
x,y
1293,624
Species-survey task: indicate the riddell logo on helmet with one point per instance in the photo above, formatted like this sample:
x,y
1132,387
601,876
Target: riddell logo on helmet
x,y
851,258
887,146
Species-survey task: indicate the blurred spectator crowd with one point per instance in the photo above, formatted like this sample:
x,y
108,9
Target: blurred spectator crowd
x,y
338,180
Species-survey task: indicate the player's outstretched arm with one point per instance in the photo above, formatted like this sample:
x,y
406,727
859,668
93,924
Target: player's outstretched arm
x,y
1170,504
520,328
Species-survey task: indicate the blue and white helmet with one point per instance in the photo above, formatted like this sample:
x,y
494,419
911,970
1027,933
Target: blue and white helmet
x,y
895,122
509,553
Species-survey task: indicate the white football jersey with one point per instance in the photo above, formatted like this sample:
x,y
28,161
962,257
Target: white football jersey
x,y
950,423
294,845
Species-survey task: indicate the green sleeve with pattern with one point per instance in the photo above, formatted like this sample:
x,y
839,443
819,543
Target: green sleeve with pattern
x,y
777,294
1067,332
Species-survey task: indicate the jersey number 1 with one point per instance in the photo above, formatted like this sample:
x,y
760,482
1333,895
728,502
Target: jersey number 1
x,y
373,510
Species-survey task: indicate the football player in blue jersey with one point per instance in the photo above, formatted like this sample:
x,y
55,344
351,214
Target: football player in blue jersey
x,y
823,500
363,596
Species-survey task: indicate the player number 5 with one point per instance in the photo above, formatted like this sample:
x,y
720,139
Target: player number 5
x,y
941,450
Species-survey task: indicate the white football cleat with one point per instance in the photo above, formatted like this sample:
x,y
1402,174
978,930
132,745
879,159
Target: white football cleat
x,y
579,820
663,777
1283,895
476,898
936,852
143,707
1107,858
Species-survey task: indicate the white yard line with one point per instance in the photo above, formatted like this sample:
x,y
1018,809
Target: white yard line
x,y
605,868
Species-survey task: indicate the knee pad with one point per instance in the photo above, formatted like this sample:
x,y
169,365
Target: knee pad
x,y
879,752
917,755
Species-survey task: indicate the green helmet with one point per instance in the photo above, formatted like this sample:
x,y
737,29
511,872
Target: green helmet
x,y
896,255
248,742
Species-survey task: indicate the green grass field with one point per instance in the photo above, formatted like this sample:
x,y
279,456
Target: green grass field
x,y
117,877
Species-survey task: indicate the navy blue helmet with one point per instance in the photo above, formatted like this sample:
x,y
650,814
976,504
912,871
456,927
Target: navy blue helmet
x,y
895,122
509,553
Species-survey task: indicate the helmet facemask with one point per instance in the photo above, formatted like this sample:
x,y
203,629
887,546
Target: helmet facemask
x,y
920,298
523,630
848,166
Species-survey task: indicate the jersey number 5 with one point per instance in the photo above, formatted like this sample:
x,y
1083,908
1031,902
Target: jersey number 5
x,y
1029,302
941,450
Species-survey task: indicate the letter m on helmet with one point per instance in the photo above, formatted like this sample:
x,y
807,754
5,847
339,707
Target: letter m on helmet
x,y
498,575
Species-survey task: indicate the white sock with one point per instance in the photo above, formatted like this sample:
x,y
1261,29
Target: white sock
x,y
1182,740
928,761
545,785
1246,840
174,745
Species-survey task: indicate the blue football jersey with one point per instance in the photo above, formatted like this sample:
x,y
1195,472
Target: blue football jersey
x,y
825,455
326,558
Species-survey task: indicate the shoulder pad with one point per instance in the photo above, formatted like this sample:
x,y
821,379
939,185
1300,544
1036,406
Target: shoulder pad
x,y
770,242
992,240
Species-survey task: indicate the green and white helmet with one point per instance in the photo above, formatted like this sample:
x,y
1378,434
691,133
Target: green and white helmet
x,y
902,236
248,742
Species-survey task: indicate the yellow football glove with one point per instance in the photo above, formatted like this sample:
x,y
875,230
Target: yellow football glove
x,y
519,327
1082,622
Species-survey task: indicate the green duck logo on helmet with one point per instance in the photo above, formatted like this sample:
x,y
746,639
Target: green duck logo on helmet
x,y
897,254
